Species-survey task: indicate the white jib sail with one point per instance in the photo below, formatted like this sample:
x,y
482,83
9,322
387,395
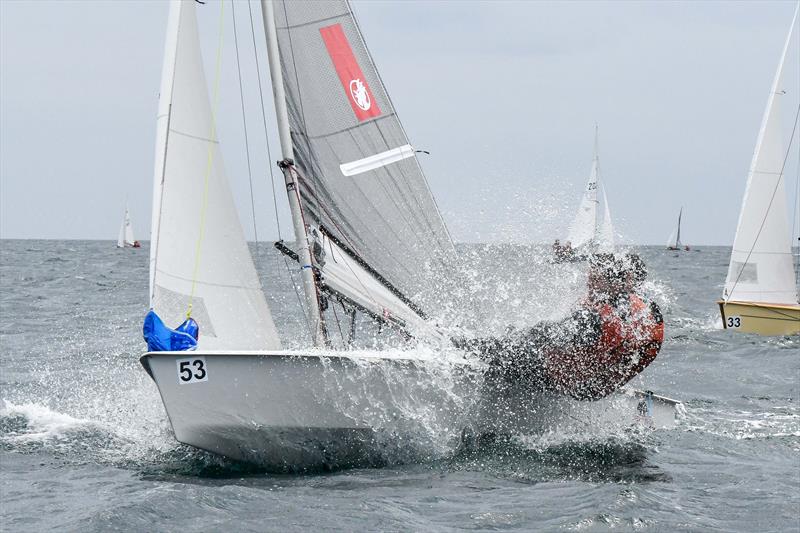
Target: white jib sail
x,y
584,225
605,237
198,250
761,267
125,237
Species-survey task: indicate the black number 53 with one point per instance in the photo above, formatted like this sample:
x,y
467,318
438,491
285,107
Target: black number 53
x,y
190,370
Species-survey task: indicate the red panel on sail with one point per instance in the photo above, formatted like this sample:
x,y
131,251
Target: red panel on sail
x,y
353,81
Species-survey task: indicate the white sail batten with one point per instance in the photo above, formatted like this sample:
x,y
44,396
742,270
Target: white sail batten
x,y
761,268
221,280
376,161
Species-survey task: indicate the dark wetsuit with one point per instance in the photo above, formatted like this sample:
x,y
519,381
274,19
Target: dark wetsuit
x,y
519,356
586,355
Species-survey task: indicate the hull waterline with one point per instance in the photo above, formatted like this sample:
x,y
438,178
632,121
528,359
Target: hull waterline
x,y
761,318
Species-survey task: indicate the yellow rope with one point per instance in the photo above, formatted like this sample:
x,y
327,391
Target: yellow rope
x,y
209,160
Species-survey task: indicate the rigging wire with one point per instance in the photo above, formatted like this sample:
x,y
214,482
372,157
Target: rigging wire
x,y
264,121
209,160
270,167
769,206
338,324
244,125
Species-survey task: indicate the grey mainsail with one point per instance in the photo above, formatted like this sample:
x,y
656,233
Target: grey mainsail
x,y
359,179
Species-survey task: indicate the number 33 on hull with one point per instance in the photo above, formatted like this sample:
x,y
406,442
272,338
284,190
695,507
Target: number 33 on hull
x,y
761,318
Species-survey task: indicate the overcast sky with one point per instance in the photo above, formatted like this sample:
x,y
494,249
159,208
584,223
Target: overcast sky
x,y
503,94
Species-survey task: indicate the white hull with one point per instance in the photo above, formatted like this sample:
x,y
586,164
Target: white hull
x,y
292,411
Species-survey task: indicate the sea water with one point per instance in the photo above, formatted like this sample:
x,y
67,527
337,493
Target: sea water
x,y
85,443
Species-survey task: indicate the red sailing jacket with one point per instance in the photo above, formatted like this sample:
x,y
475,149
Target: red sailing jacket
x,y
629,340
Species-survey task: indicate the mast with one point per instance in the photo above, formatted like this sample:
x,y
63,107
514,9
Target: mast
x,y
678,238
286,165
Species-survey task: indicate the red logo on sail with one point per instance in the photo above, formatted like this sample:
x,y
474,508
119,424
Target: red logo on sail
x,y
353,81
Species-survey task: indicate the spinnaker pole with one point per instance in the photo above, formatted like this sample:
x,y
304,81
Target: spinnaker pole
x,y
286,165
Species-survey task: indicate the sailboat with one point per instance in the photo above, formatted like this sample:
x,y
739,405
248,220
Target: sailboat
x,y
587,232
674,242
369,240
125,238
760,294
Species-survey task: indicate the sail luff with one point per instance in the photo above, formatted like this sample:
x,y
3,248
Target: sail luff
x,y
162,133
310,289
761,267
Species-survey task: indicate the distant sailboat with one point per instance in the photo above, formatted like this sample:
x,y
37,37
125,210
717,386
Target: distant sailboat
x,y
125,238
587,234
674,242
760,294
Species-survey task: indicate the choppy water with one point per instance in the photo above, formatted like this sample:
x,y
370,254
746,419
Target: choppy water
x,y
85,443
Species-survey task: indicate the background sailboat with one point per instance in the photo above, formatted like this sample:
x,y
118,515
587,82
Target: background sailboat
x,y
126,238
588,232
674,242
760,294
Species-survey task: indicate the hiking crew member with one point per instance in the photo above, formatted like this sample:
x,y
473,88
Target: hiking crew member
x,y
614,335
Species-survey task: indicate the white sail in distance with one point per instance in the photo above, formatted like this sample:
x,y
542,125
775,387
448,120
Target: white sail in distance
x,y
674,240
761,268
198,252
125,237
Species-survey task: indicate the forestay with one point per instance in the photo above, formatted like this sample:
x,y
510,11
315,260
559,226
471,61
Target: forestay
x,y
198,251
761,267
362,189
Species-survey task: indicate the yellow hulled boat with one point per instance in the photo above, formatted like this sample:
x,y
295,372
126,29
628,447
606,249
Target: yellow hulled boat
x,y
760,294
761,318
